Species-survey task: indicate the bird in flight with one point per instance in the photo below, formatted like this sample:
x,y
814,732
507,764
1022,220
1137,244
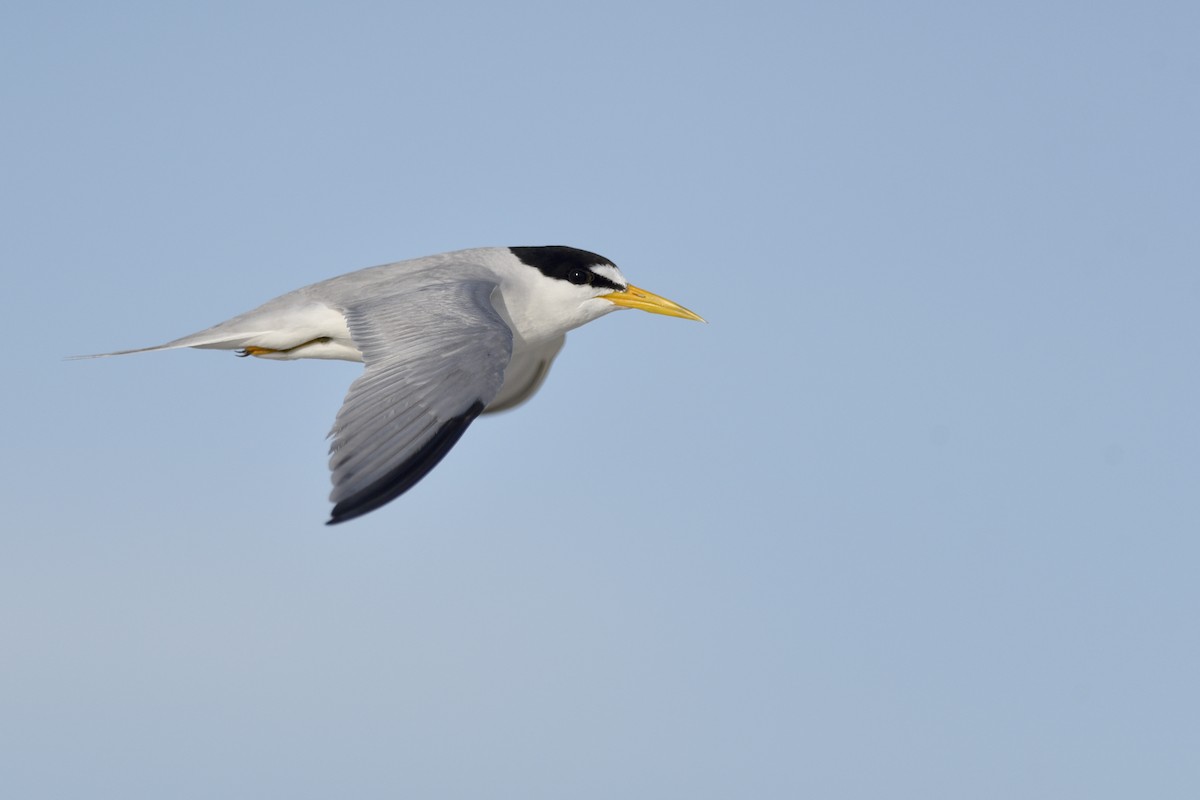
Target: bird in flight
x,y
443,339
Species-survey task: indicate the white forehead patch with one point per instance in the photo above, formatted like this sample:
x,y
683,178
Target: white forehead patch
x,y
610,272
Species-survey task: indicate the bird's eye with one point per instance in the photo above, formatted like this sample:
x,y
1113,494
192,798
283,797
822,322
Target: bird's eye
x,y
579,276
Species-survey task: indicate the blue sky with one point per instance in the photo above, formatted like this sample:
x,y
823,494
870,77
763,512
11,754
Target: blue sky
x,y
915,515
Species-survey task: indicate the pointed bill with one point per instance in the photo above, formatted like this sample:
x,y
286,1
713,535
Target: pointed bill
x,y
633,297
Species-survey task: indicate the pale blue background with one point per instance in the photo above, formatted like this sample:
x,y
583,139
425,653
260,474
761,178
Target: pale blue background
x,y
914,516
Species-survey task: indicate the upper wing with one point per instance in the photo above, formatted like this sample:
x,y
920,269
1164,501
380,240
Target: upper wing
x,y
435,357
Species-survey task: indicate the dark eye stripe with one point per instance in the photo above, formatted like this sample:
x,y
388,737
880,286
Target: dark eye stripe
x,y
605,283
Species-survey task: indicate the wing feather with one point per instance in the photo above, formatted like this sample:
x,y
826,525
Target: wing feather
x,y
435,358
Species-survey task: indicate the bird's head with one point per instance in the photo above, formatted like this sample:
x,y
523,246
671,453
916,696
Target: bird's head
x,y
590,285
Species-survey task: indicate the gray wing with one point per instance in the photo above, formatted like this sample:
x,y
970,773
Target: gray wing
x,y
435,358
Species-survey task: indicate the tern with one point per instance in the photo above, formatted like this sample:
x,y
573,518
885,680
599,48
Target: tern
x,y
443,339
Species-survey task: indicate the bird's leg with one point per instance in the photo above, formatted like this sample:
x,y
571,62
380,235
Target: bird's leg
x,y
252,350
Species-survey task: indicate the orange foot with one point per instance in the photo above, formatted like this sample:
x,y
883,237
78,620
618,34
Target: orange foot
x,y
255,351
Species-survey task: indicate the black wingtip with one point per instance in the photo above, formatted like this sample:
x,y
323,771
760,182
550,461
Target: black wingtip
x,y
405,476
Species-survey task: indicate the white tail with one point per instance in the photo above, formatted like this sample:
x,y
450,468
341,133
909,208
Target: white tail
x,y
281,325
204,340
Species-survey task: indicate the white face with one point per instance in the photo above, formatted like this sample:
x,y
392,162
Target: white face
x,y
602,280
576,304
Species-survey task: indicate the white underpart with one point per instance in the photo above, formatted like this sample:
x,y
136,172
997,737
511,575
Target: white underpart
x,y
310,331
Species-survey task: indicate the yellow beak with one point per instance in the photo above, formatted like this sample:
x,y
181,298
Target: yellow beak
x,y
633,297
